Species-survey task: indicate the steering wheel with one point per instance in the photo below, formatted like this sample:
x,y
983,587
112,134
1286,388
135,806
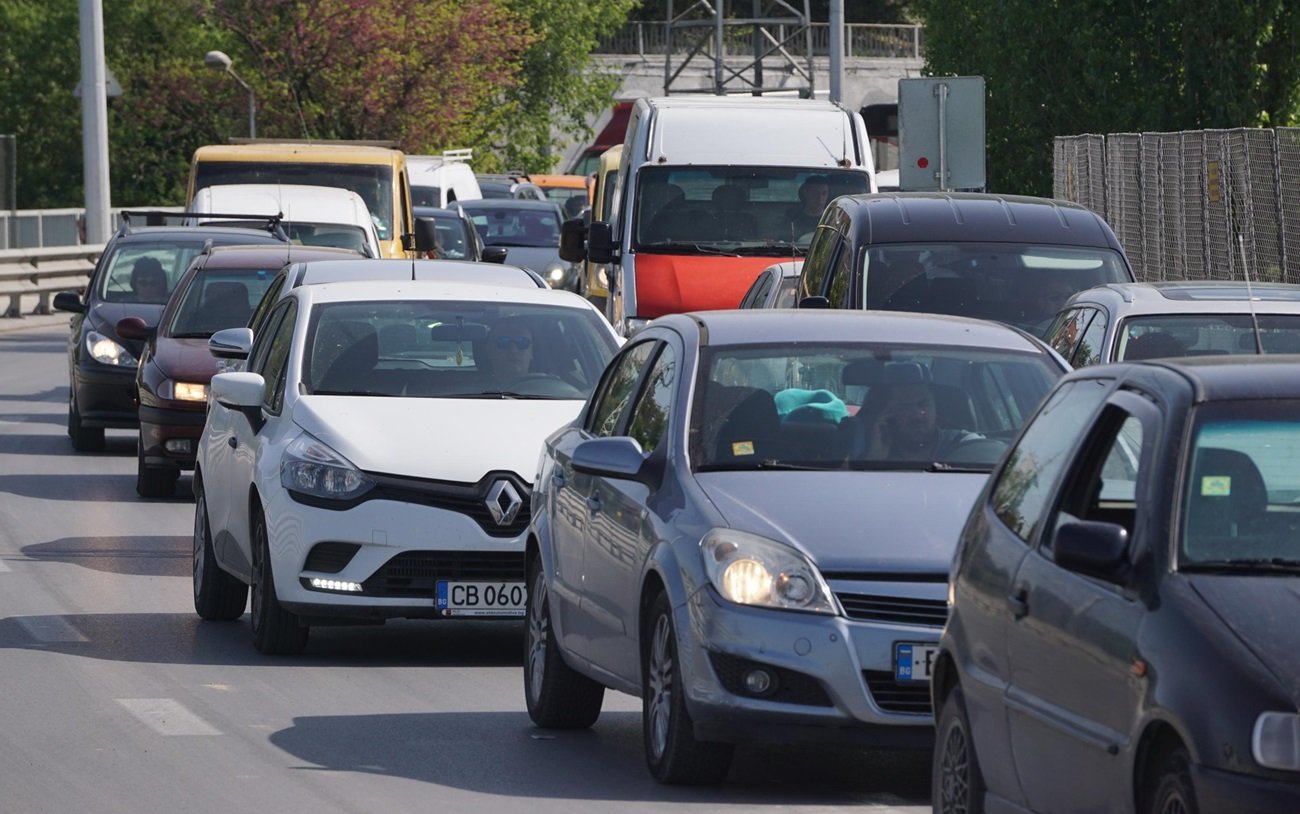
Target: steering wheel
x,y
552,385
978,451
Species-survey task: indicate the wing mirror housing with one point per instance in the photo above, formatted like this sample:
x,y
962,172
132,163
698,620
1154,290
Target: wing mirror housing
x,y
814,302
1092,548
573,240
495,254
231,343
426,236
243,392
618,457
135,328
601,247
69,301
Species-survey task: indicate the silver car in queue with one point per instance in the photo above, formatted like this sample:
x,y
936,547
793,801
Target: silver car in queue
x,y
719,533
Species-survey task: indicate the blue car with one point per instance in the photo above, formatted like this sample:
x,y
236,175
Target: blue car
x,y
750,526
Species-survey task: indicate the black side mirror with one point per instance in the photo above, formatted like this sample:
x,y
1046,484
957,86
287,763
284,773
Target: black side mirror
x,y
573,240
814,302
426,235
134,328
600,242
495,254
69,301
1092,548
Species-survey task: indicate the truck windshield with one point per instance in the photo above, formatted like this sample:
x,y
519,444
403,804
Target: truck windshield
x,y
736,210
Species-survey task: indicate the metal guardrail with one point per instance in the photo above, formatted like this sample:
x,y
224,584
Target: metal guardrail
x,y
34,228
40,273
867,40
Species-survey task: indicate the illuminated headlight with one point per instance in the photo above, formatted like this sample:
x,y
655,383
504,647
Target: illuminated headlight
x,y
752,570
334,585
107,352
555,274
311,468
182,391
1276,741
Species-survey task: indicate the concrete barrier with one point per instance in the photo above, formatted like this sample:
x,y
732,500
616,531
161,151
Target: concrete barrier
x,y
37,274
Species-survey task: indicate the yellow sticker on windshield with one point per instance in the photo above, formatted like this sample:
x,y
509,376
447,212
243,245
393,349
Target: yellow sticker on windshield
x,y
1216,486
742,448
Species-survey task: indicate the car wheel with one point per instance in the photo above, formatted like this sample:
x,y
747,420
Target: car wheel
x,y
957,785
153,481
558,696
217,595
276,631
84,439
1171,791
672,753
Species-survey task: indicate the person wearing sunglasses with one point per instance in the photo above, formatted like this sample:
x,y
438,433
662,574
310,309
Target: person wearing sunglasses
x,y
510,348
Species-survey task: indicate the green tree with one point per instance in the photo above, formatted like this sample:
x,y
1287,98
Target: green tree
x,y
1104,66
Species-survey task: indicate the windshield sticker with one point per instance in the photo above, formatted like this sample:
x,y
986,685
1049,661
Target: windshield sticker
x,y
1216,486
742,448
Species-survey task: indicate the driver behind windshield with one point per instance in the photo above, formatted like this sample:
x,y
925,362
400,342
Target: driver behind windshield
x,y
510,349
903,425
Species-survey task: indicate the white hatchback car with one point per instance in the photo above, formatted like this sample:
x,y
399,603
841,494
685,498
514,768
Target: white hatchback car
x,y
375,460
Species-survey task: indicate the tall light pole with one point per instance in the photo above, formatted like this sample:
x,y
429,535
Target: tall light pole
x,y
220,61
94,121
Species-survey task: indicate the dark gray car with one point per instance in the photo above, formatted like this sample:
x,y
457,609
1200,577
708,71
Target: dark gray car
x,y
750,526
530,231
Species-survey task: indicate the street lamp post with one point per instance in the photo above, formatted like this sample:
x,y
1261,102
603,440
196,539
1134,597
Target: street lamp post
x,y
220,61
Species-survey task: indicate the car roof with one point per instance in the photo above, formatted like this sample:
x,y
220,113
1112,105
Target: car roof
x,y
290,152
784,326
508,203
335,271
973,217
375,290
435,212
219,235
239,256
1227,377
1192,297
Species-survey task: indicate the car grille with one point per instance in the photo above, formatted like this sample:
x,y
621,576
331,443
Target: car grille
x,y
790,687
414,573
330,558
900,610
891,696
469,499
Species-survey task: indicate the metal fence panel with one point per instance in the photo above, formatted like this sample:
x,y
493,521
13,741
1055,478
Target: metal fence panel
x,y
1261,224
1191,188
1218,208
1124,195
1288,173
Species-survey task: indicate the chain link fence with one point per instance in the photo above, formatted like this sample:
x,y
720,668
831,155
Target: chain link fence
x,y
1196,205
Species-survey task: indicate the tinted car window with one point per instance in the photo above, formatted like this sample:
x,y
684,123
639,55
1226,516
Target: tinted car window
x,y
819,260
1153,337
269,298
1026,480
218,298
525,226
650,415
1093,344
277,360
609,405
1065,332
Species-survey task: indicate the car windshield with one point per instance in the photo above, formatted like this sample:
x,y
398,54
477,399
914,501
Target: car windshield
x,y
534,226
1019,284
426,196
1241,503
453,243
1155,337
764,211
215,299
861,406
146,272
451,349
374,183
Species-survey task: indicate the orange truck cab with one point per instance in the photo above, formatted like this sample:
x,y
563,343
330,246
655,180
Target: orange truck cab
x,y
712,190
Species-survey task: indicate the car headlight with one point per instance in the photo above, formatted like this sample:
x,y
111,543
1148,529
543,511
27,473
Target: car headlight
x,y
309,467
1275,742
555,274
182,391
108,352
752,570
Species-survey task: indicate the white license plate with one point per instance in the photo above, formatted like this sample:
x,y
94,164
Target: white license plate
x,y
913,661
481,598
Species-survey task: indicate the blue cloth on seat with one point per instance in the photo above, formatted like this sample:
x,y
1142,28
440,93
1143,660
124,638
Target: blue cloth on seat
x,y
810,405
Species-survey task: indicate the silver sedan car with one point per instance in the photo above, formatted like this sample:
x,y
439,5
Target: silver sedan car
x,y
750,526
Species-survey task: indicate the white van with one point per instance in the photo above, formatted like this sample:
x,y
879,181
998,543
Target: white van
x,y
441,180
311,215
712,190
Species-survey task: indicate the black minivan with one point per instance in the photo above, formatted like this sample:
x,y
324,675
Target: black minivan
x,y
1011,259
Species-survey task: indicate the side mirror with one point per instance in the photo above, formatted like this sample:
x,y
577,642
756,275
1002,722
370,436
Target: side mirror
x,y
600,242
243,392
134,328
426,235
1092,548
495,254
231,343
69,301
616,457
814,302
573,240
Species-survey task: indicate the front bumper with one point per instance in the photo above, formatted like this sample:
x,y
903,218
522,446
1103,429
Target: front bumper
x,y
1231,793
841,670
105,396
181,427
401,550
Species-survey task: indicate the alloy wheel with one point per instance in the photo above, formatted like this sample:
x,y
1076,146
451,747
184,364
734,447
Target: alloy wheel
x,y
955,773
539,629
659,684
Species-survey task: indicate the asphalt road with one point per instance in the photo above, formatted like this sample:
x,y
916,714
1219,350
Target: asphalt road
x,y
116,697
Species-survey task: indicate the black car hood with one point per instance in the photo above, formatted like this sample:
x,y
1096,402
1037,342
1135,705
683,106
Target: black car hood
x,y
1262,610
103,317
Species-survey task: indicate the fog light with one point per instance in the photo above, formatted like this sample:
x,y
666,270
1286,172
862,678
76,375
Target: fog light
x,y
177,445
758,681
335,585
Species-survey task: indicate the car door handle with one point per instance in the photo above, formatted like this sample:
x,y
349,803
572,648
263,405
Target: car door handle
x,y
233,441
593,504
557,480
1019,603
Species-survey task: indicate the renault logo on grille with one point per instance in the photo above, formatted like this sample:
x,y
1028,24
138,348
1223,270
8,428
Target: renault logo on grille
x,y
503,502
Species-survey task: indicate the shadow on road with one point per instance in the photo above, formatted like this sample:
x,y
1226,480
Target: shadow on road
x,y
55,395
57,419
88,487
502,753
133,556
33,343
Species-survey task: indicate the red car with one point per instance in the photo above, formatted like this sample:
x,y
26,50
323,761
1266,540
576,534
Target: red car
x,y
219,290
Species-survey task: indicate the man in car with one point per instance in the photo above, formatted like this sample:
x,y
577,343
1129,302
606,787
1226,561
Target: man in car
x,y
149,281
903,425
813,195
510,349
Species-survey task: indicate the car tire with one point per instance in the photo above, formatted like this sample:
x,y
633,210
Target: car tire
x,y
218,596
957,784
673,754
558,696
153,481
1171,790
276,631
84,439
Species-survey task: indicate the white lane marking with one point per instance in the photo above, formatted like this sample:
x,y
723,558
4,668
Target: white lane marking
x,y
50,629
166,716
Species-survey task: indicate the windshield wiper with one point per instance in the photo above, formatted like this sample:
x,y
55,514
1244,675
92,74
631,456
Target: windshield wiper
x,y
375,393
768,464
1272,564
687,248
940,466
775,248
196,335
494,394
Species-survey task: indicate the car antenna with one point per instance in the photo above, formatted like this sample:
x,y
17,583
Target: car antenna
x,y
1250,296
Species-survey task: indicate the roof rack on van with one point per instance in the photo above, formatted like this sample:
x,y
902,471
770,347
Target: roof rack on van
x,y
389,143
154,217
465,155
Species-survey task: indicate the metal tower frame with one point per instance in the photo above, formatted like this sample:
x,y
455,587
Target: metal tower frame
x,y
777,27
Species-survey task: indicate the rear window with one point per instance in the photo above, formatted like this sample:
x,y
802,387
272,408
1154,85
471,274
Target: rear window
x,y
219,299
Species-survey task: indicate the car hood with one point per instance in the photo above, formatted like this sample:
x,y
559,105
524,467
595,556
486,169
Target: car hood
x,y
103,317
185,358
536,258
444,439
1261,610
903,522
